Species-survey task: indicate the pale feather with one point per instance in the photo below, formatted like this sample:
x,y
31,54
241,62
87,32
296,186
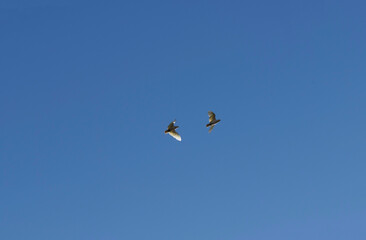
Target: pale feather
x,y
212,116
175,135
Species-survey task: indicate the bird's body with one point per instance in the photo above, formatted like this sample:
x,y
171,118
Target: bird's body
x,y
171,131
212,121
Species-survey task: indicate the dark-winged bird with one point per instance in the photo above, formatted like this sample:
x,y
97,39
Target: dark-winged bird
x,y
172,132
212,120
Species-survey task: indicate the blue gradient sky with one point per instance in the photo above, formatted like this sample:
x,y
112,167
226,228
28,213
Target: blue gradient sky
x,y
87,90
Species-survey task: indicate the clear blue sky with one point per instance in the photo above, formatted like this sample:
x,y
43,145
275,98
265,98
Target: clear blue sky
x,y
88,88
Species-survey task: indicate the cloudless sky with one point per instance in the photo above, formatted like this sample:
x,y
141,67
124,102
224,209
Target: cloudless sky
x,y
88,88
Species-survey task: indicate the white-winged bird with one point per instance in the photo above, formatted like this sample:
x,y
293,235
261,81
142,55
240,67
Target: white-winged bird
x,y
172,132
212,120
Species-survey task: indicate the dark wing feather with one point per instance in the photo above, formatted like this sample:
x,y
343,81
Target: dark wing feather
x,y
171,125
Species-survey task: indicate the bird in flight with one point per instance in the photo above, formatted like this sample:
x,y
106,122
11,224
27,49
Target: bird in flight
x,y
212,120
172,132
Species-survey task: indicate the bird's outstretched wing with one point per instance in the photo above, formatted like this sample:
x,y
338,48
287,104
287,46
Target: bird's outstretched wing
x,y
175,135
212,116
171,125
209,130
